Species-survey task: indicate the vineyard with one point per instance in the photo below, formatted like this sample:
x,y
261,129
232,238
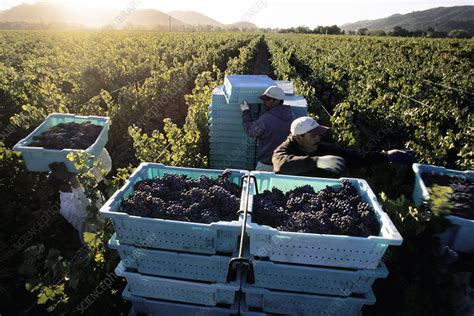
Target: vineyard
x,y
375,93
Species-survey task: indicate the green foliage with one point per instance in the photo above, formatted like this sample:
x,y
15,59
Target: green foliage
x,y
390,93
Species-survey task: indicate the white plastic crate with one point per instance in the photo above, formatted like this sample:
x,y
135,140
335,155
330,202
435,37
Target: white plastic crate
x,y
286,86
459,237
316,280
319,249
238,88
207,294
206,268
219,237
37,159
152,307
286,303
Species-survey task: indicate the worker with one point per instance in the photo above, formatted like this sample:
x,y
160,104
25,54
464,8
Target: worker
x,y
303,153
73,200
271,128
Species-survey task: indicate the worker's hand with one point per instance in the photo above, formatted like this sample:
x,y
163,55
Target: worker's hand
x,y
329,163
401,157
244,106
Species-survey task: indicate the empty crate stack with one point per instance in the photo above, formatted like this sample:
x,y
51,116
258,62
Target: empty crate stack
x,y
174,267
230,147
313,274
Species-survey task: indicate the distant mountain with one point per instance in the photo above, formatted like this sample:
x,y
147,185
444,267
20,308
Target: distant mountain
x,y
63,14
195,18
151,17
441,19
243,25
198,19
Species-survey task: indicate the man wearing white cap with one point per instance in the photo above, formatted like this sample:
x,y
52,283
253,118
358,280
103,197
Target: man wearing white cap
x,y
271,128
303,153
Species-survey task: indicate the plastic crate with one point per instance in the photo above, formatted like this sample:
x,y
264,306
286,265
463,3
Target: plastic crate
x,y
238,88
286,86
459,237
227,136
206,268
207,294
168,234
319,249
233,157
152,307
37,159
287,303
316,280
231,142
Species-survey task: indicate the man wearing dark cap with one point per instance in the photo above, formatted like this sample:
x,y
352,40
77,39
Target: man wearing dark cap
x,y
271,128
303,153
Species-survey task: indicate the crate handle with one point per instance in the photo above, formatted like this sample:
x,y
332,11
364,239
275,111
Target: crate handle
x,y
232,271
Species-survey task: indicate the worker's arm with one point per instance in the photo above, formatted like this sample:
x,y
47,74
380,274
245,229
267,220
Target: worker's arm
x,y
285,159
253,128
356,159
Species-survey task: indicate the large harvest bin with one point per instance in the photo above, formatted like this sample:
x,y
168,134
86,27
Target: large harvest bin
x,y
460,237
171,264
150,307
319,249
287,303
220,237
207,294
316,280
37,159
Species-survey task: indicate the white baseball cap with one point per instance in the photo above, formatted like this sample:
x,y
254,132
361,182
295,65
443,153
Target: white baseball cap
x,y
273,92
305,125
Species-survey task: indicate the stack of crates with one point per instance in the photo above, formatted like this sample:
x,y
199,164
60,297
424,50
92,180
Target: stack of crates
x,y
230,147
312,274
175,267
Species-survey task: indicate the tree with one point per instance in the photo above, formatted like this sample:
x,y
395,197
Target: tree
x,y
362,31
459,34
400,31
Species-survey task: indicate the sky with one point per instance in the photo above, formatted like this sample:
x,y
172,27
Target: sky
x,y
271,13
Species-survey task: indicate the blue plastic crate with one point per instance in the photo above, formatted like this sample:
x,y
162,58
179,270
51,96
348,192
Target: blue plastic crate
x,y
233,143
218,96
232,164
238,88
207,294
287,303
232,140
320,249
37,159
233,157
242,155
168,234
225,134
286,86
315,280
207,268
459,237
151,307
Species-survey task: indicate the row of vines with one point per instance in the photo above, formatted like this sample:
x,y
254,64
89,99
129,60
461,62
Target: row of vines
x,y
155,88
376,94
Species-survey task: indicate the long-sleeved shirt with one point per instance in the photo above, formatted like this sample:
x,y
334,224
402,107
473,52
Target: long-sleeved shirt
x,y
290,158
270,129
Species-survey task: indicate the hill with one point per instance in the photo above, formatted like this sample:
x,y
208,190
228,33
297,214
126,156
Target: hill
x,y
441,19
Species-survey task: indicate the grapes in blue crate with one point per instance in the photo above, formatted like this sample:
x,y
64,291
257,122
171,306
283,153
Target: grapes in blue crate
x,y
178,197
329,211
68,135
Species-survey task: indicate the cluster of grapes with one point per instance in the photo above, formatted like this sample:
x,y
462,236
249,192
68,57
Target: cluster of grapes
x,y
177,197
329,211
462,198
68,135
